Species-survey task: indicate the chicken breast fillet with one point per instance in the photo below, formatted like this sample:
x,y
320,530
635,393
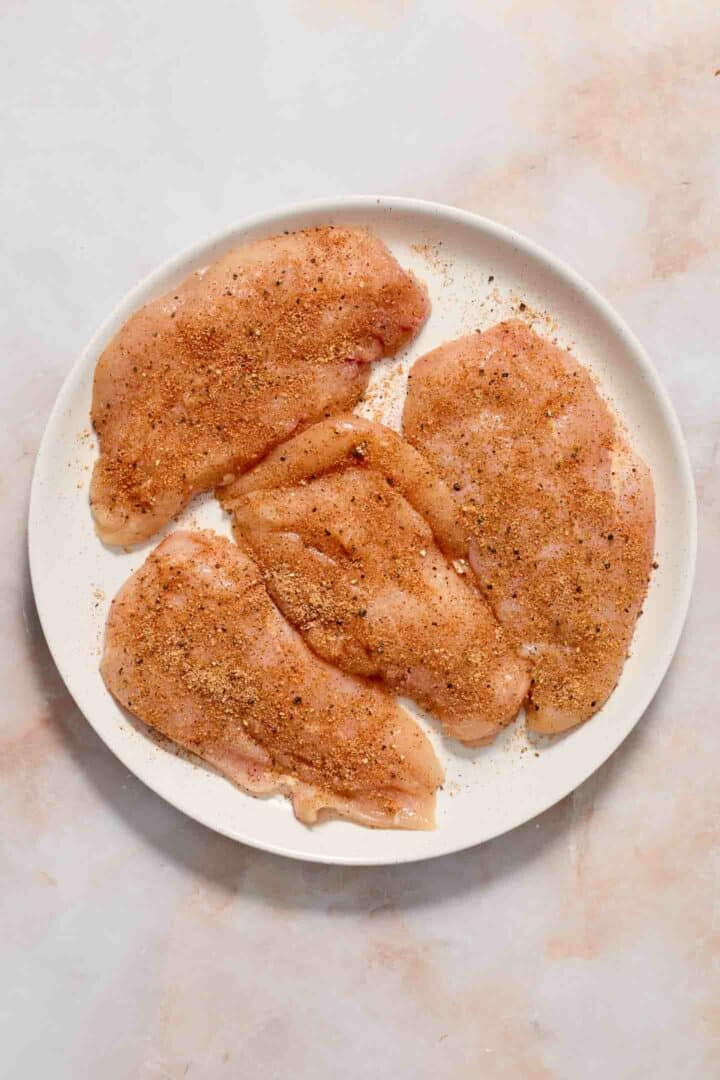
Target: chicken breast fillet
x,y
200,384
339,519
196,649
560,510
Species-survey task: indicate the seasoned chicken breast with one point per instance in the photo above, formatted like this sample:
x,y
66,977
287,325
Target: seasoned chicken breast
x,y
196,649
339,519
560,509
199,384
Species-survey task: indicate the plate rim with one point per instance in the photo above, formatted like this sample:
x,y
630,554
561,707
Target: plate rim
x,y
499,232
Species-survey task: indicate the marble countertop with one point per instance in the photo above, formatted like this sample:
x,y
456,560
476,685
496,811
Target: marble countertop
x,y
134,942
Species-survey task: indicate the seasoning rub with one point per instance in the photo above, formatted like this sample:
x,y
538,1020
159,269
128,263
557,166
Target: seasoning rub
x,y
196,649
200,384
361,544
560,510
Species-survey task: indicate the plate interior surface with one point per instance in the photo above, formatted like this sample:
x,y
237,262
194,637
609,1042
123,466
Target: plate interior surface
x,y
477,273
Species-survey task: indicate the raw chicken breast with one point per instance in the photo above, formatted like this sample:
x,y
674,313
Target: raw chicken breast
x,y
201,383
561,511
196,649
339,518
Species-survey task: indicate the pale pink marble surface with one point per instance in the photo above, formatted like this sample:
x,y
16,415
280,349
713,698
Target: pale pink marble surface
x,y
134,943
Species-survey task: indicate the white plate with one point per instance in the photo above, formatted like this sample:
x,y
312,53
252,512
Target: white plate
x,y
486,792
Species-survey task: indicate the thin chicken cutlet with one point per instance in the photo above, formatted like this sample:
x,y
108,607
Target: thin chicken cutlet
x,y
201,383
560,510
360,544
196,649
